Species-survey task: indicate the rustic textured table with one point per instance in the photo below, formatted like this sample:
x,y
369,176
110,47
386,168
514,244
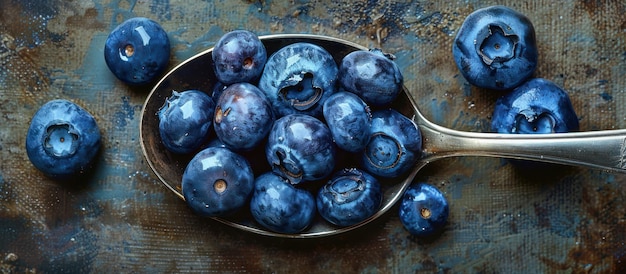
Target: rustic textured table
x,y
122,219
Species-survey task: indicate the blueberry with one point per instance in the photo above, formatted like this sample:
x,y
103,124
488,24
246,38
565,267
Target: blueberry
x,y
423,210
348,119
137,51
185,120
300,148
537,106
350,197
395,144
372,75
243,116
298,78
62,140
238,56
495,48
217,182
279,206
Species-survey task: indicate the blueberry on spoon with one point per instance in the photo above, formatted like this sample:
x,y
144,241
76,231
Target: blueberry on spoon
x,y
394,145
349,197
217,182
372,75
298,78
239,56
185,120
278,205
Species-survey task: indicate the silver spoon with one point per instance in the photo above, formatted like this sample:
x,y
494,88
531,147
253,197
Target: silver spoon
x,y
597,149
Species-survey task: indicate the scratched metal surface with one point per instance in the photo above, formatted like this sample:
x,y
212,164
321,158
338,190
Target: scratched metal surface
x,y
502,219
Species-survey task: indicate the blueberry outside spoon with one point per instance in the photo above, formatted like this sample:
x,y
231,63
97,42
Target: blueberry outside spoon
x,y
605,150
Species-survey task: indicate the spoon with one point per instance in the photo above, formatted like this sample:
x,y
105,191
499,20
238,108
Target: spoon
x,y
597,149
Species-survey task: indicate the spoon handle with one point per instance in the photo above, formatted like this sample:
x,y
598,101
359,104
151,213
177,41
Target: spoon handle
x,y
596,149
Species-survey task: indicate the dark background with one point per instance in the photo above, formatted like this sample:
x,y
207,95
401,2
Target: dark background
x,y
502,219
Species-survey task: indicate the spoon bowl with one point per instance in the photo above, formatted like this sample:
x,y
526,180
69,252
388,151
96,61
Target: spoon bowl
x,y
598,149
197,73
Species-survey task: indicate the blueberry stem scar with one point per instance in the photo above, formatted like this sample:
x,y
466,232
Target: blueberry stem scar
x,y
220,186
248,63
129,50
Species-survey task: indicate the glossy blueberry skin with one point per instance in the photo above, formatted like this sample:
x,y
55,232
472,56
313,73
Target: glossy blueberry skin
x,y
395,144
349,197
372,75
137,51
185,121
348,119
423,210
243,117
217,182
298,78
279,206
218,88
495,48
255,157
300,148
239,56
62,140
535,107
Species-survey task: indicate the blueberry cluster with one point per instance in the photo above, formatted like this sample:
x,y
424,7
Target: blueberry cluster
x,y
291,135
297,133
63,139
495,48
